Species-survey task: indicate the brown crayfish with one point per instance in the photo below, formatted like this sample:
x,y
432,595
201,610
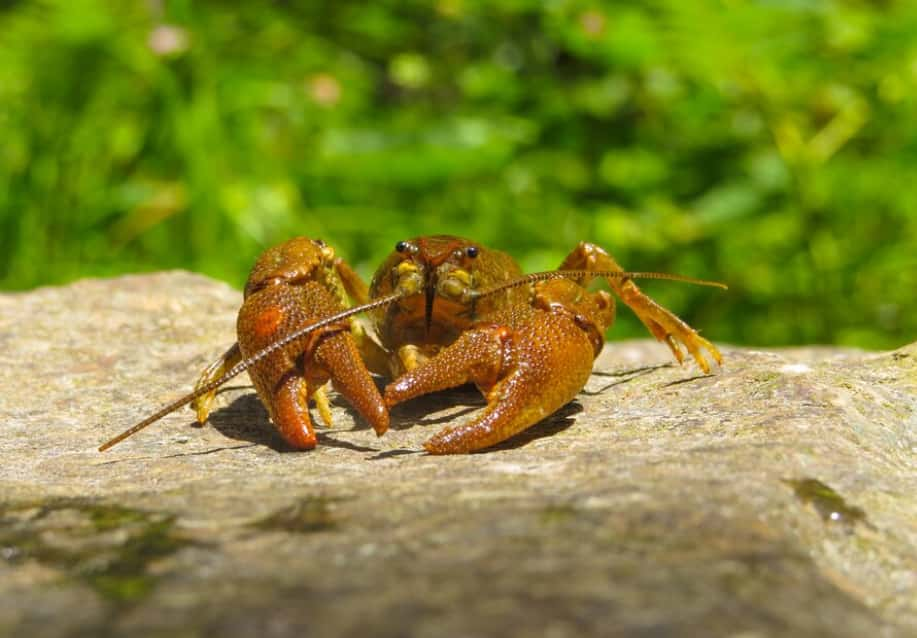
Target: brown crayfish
x,y
443,311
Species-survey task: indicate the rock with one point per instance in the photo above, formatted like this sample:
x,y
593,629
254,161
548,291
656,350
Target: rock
x,y
775,497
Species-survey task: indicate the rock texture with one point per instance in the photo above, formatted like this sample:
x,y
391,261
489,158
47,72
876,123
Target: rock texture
x,y
776,497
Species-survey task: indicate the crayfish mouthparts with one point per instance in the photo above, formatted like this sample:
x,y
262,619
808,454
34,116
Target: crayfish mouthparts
x,y
429,292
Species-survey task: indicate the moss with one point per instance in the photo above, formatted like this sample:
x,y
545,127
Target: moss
x,y
124,578
557,514
830,505
313,514
108,547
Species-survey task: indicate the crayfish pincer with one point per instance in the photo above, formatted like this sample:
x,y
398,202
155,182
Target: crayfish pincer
x,y
291,285
294,334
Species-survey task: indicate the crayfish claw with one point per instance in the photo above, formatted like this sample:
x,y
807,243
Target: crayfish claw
x,y
338,355
289,409
696,345
676,351
526,368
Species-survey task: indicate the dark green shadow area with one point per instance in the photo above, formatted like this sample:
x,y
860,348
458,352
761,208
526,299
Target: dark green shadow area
x,y
107,547
309,515
831,506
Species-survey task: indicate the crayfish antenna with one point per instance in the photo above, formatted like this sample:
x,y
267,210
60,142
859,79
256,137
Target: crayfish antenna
x,y
577,274
242,366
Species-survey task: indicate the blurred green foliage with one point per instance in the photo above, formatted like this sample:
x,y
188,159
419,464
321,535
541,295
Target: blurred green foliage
x,y
770,144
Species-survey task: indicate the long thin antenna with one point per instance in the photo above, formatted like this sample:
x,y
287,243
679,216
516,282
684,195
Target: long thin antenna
x,y
242,366
556,274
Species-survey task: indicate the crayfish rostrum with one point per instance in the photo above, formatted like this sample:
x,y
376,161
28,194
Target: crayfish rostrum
x,y
443,311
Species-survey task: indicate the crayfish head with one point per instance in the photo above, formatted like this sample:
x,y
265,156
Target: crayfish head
x,y
294,261
438,267
440,263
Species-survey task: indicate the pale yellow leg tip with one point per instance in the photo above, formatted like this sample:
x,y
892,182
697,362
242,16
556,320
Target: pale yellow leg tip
x,y
202,407
324,406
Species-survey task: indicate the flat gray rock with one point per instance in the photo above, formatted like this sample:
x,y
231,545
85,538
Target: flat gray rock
x,y
775,497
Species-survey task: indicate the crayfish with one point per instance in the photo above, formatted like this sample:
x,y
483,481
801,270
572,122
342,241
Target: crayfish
x,y
442,312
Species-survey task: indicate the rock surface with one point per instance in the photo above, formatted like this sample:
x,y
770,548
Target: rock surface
x,y
776,497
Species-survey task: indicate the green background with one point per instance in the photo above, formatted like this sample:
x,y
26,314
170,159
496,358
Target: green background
x,y
768,144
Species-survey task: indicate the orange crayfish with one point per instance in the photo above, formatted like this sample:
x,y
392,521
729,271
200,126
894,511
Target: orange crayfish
x,y
443,312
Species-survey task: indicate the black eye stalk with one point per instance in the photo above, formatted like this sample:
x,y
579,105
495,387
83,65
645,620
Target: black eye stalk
x,y
401,246
472,251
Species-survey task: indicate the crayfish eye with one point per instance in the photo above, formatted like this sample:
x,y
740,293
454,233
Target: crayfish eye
x,y
401,246
472,251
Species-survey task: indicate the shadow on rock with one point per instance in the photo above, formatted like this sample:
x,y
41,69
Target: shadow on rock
x,y
623,376
554,424
696,377
388,454
415,412
246,419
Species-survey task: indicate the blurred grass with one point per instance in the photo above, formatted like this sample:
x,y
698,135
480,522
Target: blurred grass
x,y
770,144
